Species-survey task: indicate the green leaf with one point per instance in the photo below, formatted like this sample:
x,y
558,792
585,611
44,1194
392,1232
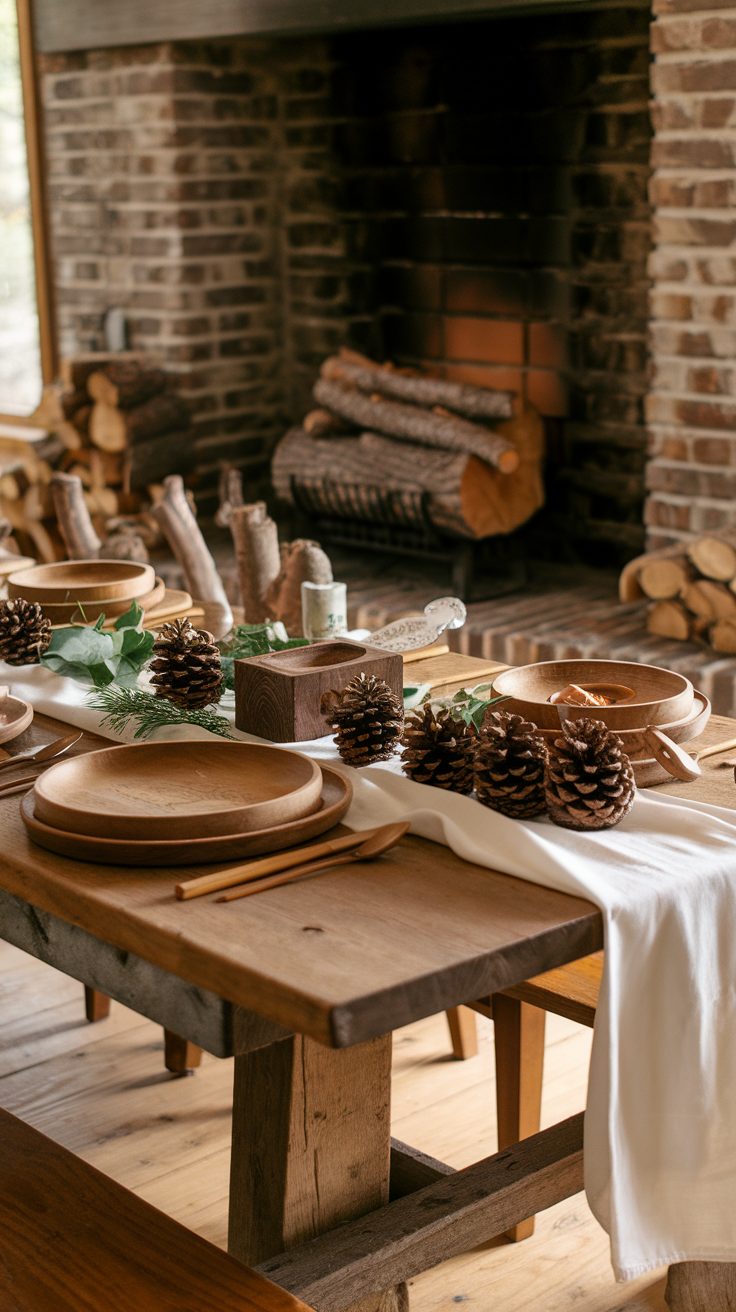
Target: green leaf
x,y
89,655
131,619
124,706
249,640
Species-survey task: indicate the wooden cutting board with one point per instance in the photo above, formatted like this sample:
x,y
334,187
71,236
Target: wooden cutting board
x,y
450,670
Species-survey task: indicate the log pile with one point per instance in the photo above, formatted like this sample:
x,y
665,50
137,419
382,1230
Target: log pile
x,y
691,590
384,437
115,424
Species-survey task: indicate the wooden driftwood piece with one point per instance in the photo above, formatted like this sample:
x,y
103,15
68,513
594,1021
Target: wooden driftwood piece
x,y
176,518
474,402
125,383
256,540
409,423
302,561
75,523
230,494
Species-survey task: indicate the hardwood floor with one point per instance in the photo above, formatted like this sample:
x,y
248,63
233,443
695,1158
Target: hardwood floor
x,y
102,1091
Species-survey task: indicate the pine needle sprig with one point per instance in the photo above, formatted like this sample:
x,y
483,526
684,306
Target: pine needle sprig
x,y
123,706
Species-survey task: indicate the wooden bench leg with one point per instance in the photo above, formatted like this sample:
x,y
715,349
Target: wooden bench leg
x,y
311,1147
463,1032
180,1056
519,1041
701,1287
96,1005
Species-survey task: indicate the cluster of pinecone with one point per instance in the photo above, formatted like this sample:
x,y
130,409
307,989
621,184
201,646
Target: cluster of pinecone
x,y
582,780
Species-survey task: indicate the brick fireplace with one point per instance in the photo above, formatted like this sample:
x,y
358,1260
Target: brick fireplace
x,y
491,199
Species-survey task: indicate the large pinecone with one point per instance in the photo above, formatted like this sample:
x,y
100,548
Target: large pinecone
x,y
366,718
439,750
25,632
590,779
509,766
187,667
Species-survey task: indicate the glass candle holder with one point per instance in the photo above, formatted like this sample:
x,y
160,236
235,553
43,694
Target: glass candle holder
x,y
324,610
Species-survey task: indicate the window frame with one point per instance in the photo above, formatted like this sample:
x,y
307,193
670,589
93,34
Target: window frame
x,y
32,121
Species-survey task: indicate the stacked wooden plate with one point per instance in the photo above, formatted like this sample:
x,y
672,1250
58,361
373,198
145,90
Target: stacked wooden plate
x,y
182,803
79,591
642,697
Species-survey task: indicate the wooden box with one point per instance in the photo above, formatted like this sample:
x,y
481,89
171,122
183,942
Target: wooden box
x,y
277,696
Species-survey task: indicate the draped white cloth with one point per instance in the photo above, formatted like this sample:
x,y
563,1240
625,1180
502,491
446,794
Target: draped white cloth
x,y
660,1129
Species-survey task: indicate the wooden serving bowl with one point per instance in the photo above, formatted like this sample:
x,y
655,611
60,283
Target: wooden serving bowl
x,y
660,696
190,790
70,581
635,743
15,717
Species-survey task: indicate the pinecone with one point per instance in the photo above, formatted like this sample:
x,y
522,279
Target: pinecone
x,y
509,766
186,665
590,779
25,632
439,750
366,718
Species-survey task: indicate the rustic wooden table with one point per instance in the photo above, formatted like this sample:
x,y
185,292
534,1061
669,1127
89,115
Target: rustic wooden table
x,y
303,986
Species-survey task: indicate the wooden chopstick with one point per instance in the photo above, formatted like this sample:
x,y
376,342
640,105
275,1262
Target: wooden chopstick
x,y
287,877
269,865
18,785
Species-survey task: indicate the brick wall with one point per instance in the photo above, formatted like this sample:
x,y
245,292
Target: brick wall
x,y
692,408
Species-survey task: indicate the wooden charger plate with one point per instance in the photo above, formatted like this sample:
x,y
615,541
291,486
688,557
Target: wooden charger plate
x,y
178,790
337,794
660,696
15,716
83,580
87,612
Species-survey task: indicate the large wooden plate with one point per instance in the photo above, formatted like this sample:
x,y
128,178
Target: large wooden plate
x,y
337,794
15,717
660,696
83,580
87,612
178,790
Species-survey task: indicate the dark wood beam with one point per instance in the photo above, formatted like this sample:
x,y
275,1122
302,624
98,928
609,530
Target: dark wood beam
x,y
89,24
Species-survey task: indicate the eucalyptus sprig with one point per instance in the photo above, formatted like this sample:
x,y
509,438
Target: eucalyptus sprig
x,y
469,705
123,706
90,655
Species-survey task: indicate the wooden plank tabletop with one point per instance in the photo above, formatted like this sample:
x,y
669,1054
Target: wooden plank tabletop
x,y
341,958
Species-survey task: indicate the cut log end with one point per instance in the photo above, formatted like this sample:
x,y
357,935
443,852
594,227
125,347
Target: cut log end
x,y
508,462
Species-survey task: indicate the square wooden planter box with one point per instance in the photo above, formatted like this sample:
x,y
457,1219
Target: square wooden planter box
x,y
277,696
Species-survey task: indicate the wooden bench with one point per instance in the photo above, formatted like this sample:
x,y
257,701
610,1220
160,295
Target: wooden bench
x,y
71,1240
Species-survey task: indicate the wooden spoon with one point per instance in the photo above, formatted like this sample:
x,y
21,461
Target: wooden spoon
x,y
384,838
675,760
48,752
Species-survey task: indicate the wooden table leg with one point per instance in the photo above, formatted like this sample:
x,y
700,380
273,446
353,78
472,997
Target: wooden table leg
x,y
701,1287
519,1045
180,1056
311,1147
96,1005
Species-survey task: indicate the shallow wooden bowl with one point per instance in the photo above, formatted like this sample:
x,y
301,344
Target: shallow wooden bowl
x,y
15,717
337,794
660,696
71,581
178,790
87,612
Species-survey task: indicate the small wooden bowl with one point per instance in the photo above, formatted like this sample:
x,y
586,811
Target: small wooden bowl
x,y
15,717
71,581
660,696
635,745
178,790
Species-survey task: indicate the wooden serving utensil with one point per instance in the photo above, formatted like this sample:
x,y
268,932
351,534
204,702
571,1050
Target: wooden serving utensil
x,y
715,749
382,839
48,752
270,865
679,763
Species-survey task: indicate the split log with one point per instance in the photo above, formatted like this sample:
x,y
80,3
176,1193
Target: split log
x,y
320,423
408,423
230,494
176,518
662,579
368,376
722,637
15,480
74,370
302,561
464,496
256,540
714,558
114,430
70,435
102,502
151,461
669,619
77,529
38,502
125,383
710,601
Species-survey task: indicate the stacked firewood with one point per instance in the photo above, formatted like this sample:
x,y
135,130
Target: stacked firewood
x,y
691,590
384,440
113,422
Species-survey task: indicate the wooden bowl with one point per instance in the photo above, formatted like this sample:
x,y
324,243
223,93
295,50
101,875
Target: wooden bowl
x,y
15,717
86,612
337,794
660,696
635,746
178,790
71,581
